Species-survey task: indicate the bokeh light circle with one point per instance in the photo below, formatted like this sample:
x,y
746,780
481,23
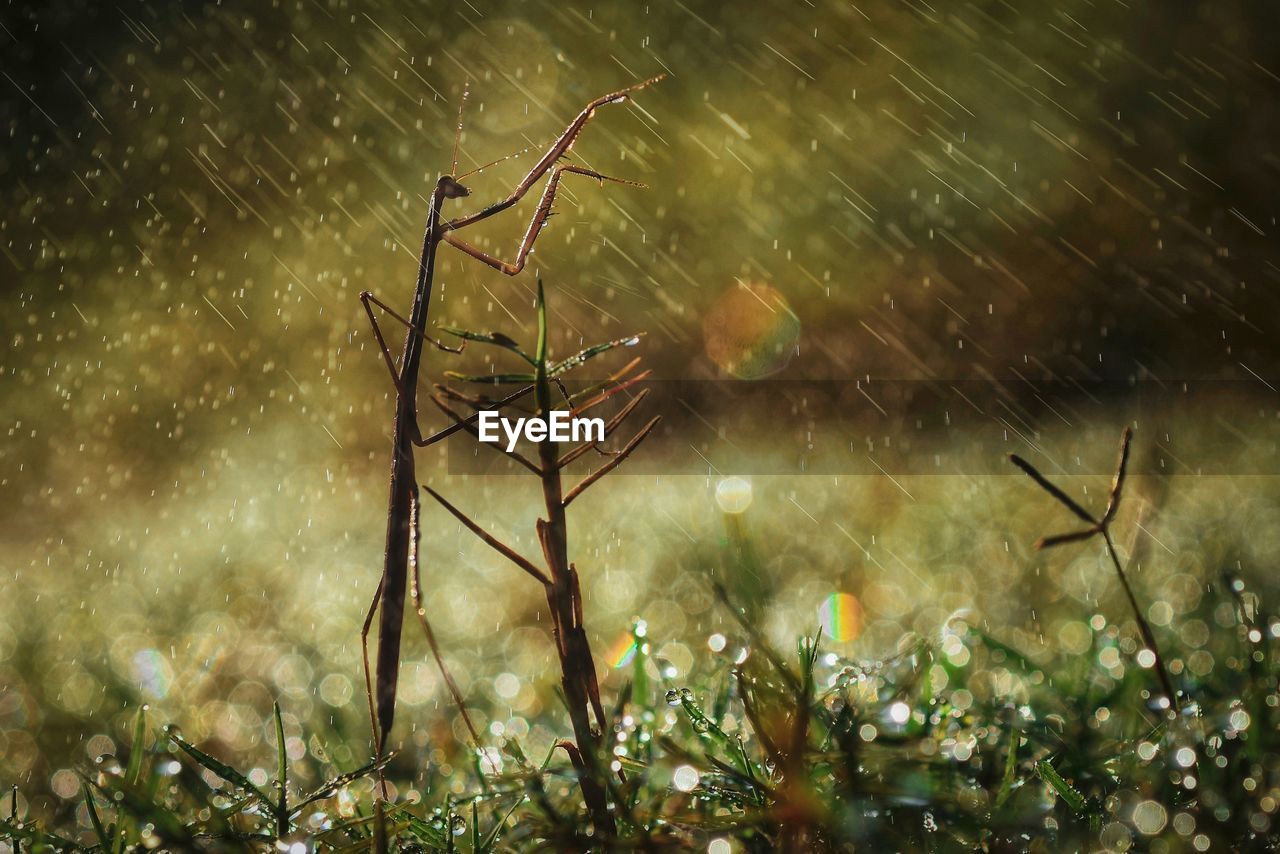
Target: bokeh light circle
x,y
734,494
750,331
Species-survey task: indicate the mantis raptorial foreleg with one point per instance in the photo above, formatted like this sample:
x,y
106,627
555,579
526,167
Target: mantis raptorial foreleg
x,y
540,217
401,560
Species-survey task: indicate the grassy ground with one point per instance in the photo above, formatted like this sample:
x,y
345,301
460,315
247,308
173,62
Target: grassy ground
x,y
956,742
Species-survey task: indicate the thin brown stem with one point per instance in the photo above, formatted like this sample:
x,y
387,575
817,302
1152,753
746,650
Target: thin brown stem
x,y
474,432
613,385
1148,637
613,463
610,425
577,668
1117,485
1063,539
1045,484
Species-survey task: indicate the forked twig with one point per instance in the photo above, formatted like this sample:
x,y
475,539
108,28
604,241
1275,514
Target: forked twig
x,y
1102,527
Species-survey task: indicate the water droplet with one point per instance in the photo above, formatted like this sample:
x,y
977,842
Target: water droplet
x,y
458,825
673,697
108,764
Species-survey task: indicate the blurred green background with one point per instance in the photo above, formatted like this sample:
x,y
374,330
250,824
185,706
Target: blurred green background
x,y
196,422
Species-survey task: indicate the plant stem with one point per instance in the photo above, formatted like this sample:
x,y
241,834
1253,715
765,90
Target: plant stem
x,y
577,668
1148,637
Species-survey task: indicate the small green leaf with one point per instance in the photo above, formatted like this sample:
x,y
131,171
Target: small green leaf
x,y
1010,770
581,356
497,339
511,746
1065,790
491,379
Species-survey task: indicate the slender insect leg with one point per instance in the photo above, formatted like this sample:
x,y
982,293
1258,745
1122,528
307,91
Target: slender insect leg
x,y
368,300
365,299
368,679
561,147
540,216
435,342
415,589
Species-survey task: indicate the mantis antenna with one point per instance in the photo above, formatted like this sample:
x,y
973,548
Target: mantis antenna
x,y
524,150
457,134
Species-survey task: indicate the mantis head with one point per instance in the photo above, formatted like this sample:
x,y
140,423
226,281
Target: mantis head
x,y
450,188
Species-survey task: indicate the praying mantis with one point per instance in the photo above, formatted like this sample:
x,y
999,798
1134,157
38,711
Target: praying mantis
x,y
400,558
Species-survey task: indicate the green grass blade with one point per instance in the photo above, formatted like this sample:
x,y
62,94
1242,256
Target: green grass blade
x,y
491,840
1027,665
379,828
1010,770
282,775
423,830
639,676
104,838
223,770
37,837
332,785
1065,790
540,356
143,809
134,772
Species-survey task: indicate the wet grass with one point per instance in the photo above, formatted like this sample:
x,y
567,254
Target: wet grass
x,y
958,741
1117,736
